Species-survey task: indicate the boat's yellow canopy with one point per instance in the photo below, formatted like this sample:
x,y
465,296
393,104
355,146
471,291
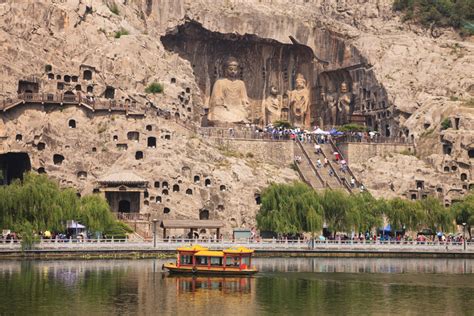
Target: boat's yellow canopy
x,y
207,253
237,250
194,248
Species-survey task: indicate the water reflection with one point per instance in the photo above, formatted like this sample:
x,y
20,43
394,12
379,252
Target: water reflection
x,y
284,286
366,265
226,285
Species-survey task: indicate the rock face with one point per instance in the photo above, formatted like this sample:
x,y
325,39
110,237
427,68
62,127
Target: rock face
x,y
85,66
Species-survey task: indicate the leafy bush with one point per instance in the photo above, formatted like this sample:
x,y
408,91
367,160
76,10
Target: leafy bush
x,y
282,124
444,13
445,124
121,32
154,87
352,128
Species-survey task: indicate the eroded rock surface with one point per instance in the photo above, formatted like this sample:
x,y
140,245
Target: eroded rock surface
x,y
402,78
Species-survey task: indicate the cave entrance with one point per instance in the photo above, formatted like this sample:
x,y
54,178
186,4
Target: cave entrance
x,y
124,206
123,202
12,166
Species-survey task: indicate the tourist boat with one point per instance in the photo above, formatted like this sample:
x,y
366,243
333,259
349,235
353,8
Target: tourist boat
x,y
200,260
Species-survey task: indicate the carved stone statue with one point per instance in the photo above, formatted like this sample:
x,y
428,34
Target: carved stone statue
x,y
229,102
344,104
331,101
299,102
272,106
328,108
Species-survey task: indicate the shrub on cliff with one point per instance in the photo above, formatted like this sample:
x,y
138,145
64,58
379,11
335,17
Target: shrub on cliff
x,y
121,32
154,87
443,13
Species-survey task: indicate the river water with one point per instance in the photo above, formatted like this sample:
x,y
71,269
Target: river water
x,y
284,286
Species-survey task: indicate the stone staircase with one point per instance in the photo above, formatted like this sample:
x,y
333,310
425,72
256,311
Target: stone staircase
x,y
331,181
307,170
338,179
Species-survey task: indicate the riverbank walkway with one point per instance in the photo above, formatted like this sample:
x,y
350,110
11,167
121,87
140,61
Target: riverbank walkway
x,y
271,245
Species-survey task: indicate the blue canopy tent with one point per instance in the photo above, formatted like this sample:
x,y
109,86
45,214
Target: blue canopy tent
x,y
385,231
335,132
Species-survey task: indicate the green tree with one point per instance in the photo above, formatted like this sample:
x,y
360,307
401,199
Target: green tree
x,y
368,210
404,214
38,204
436,217
289,209
463,212
339,212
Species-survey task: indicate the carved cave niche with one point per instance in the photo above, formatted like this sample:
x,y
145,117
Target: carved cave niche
x,y
58,159
72,123
263,62
204,214
87,75
135,136
109,92
139,155
13,166
470,153
27,86
82,175
151,142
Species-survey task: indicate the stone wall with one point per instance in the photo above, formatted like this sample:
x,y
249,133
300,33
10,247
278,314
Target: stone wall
x,y
275,152
356,153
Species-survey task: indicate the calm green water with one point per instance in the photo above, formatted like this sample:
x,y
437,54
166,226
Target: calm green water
x,y
289,286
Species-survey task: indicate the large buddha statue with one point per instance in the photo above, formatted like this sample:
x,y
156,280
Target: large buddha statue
x,y
229,102
272,106
299,102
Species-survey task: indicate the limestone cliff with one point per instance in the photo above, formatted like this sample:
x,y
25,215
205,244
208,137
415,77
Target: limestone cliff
x,y
403,80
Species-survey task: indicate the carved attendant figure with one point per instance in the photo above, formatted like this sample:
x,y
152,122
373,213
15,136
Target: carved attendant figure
x,y
344,103
229,102
299,102
272,106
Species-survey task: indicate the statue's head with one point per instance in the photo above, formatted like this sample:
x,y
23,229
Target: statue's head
x,y
344,88
300,82
231,67
273,90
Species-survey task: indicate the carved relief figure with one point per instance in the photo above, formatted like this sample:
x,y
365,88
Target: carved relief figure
x,y
344,104
299,102
272,106
229,102
327,101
